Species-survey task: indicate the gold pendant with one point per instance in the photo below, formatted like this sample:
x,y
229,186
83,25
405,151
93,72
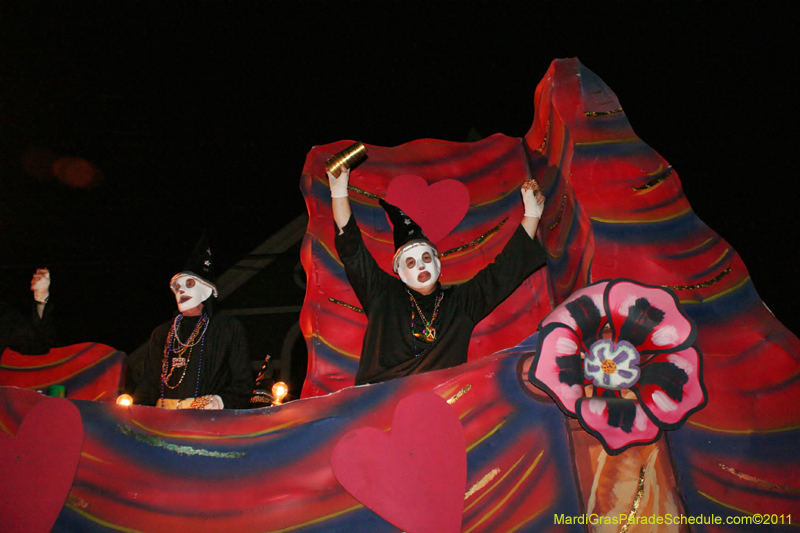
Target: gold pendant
x,y
178,362
430,334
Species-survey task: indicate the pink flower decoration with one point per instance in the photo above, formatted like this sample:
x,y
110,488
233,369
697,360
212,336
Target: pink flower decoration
x,y
632,347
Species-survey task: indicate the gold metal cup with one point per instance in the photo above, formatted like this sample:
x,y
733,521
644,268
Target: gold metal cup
x,y
350,157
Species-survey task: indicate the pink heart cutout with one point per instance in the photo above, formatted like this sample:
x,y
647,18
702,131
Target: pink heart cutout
x,y
413,477
39,465
437,208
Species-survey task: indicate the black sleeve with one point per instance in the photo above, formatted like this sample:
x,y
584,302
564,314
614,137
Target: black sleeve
x,y
520,258
147,392
363,272
31,336
236,394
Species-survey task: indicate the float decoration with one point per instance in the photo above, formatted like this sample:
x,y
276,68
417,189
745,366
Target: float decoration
x,y
39,465
632,346
87,371
413,477
423,203
616,209
478,183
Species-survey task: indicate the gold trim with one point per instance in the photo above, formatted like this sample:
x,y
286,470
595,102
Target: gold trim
x,y
600,114
561,207
760,482
362,192
345,304
182,450
508,495
453,399
474,242
636,501
702,285
656,180
482,483
543,145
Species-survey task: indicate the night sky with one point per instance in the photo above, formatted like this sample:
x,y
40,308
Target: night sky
x,y
198,115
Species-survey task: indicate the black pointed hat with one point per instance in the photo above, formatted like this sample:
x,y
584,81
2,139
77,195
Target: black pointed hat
x,y
405,230
200,264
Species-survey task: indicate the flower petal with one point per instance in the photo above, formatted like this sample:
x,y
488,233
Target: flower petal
x,y
651,318
583,312
671,387
617,423
557,368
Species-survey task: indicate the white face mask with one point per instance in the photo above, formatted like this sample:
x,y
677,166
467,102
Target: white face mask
x,y
419,267
189,291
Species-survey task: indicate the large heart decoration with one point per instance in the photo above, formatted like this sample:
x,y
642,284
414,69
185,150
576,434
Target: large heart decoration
x,y
39,465
413,477
437,208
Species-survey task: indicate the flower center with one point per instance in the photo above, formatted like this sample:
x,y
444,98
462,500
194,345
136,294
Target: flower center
x,y
611,365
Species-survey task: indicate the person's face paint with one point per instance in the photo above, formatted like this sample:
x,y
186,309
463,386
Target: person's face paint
x,y
189,292
419,268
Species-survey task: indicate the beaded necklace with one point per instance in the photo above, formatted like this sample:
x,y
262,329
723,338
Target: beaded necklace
x,y
174,350
429,332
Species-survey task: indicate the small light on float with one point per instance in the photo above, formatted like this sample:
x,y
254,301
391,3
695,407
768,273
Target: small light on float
x,y
279,392
125,400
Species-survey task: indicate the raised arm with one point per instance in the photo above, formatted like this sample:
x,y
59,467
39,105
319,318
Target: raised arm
x,y
340,202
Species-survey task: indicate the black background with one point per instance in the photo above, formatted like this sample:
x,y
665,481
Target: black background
x,y
200,114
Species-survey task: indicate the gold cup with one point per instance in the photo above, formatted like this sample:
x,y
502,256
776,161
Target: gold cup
x,y
350,157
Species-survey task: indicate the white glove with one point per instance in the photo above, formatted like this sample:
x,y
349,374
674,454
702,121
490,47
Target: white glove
x,y
339,185
40,285
532,199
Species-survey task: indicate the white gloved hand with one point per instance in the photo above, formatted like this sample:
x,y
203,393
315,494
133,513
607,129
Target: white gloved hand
x,y
40,285
532,199
339,185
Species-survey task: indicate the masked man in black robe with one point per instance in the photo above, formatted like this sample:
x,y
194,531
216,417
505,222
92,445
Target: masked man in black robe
x,y
198,360
414,325
34,334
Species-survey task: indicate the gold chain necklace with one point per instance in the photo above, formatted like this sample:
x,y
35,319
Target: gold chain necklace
x,y
429,332
180,361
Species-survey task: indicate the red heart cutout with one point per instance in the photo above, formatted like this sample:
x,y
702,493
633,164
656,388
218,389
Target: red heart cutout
x,y
413,477
39,465
437,208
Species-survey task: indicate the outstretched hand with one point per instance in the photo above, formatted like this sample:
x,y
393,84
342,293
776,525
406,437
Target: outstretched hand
x,y
532,198
339,185
40,285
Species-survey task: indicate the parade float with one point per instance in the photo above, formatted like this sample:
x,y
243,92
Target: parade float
x,y
567,417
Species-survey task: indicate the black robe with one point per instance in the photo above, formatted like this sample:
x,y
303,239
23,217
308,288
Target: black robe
x,y
225,367
390,350
31,336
